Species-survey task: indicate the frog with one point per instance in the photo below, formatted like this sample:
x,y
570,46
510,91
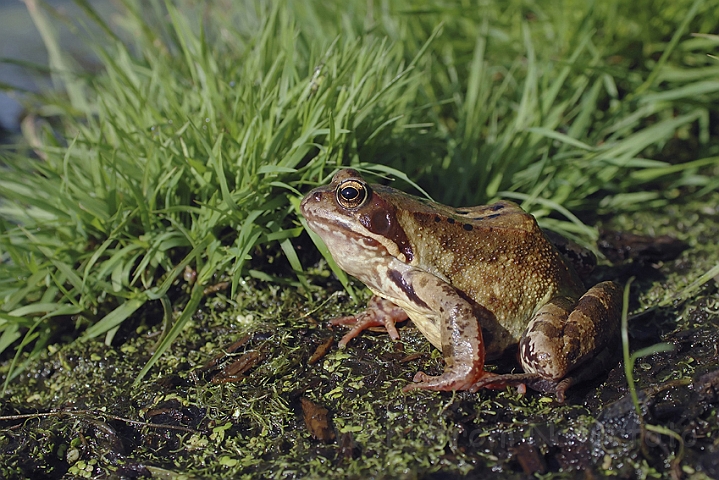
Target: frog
x,y
477,282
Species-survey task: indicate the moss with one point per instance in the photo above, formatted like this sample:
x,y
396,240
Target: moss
x,y
254,426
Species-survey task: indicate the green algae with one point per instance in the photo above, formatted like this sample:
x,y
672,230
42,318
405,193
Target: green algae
x,y
254,427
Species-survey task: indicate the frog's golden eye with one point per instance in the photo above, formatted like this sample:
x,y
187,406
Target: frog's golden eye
x,y
351,193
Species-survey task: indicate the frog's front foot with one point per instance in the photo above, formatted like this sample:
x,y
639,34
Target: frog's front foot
x,y
379,313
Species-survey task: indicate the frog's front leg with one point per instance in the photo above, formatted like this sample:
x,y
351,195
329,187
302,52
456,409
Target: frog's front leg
x,y
567,342
459,330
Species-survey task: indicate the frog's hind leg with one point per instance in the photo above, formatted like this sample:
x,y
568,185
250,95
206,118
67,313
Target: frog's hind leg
x,y
565,343
565,337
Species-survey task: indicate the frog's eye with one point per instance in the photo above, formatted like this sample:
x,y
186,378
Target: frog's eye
x,y
351,194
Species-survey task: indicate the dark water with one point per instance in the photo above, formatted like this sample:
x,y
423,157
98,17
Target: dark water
x,y
19,40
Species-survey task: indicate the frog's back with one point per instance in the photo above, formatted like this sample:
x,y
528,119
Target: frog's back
x,y
494,254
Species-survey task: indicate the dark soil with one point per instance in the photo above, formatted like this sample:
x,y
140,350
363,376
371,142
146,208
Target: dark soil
x,y
239,396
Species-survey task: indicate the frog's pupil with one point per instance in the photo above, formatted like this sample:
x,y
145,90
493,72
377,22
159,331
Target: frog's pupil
x,y
349,193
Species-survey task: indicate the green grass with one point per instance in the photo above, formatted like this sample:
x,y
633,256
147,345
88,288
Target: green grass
x,y
207,122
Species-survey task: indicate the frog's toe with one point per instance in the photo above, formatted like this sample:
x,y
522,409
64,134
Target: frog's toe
x,y
450,380
379,313
562,388
524,380
558,389
354,321
500,382
418,380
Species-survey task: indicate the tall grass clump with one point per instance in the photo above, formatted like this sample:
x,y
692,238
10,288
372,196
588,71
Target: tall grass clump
x,y
183,152
208,121
580,104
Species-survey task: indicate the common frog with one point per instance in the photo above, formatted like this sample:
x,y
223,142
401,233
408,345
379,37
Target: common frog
x,y
475,281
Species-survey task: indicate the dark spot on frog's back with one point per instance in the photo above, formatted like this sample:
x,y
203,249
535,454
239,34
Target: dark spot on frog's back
x,y
450,220
407,288
496,207
467,227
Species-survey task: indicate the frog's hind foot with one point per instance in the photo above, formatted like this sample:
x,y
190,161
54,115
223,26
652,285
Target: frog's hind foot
x,y
524,380
559,389
500,382
450,380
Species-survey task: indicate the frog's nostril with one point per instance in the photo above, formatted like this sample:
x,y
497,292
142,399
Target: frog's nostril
x,y
317,196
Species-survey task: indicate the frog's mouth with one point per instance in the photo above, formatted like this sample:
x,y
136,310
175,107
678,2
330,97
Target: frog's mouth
x,y
327,227
320,219
341,239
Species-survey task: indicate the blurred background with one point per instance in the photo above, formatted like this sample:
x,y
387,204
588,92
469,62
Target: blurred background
x,y
20,41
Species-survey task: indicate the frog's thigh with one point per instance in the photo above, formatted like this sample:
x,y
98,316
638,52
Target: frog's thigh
x,y
564,334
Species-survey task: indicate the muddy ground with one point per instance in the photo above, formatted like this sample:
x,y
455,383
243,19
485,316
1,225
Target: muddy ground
x,y
256,387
